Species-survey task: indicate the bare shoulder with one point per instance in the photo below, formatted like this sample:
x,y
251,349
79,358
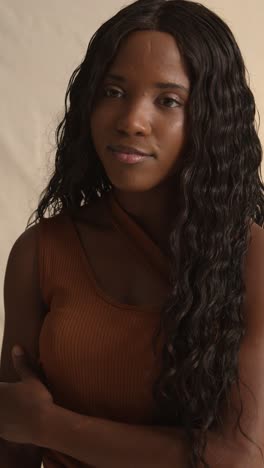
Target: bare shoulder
x,y
255,254
257,230
24,309
254,280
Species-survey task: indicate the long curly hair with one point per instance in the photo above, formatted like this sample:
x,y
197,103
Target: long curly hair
x,y
221,196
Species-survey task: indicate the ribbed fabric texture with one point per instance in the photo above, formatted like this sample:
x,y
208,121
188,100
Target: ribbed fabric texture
x,y
96,353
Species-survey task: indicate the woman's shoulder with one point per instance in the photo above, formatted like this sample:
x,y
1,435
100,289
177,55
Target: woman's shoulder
x,y
257,230
256,245
254,279
23,304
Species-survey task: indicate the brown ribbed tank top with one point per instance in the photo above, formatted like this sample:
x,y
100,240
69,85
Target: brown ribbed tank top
x,y
95,352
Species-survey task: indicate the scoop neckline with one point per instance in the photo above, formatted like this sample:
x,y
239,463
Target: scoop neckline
x,y
97,288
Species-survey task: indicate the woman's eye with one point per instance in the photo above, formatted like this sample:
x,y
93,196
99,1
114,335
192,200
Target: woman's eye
x,y
111,92
115,93
170,102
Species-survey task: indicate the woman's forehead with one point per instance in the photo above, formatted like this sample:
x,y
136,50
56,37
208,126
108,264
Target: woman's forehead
x,y
149,53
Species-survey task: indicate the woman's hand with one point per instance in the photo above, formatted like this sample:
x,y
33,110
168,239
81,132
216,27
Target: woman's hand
x,y
22,404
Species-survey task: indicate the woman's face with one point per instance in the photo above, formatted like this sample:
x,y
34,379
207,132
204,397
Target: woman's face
x,y
141,103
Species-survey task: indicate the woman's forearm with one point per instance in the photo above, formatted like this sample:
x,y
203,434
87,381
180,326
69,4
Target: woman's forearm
x,y
108,444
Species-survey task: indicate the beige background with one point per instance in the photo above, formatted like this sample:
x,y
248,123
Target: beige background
x,y
41,44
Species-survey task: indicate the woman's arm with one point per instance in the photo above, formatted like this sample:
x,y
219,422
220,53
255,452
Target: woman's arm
x,y
109,444
105,443
22,323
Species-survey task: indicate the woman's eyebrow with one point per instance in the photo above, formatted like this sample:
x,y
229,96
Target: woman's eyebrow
x,y
160,85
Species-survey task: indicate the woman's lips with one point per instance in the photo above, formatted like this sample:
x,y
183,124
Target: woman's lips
x,y
129,158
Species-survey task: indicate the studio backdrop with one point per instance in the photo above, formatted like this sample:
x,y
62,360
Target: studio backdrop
x,y
41,43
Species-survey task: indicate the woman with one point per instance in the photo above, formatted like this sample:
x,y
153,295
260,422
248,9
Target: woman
x,y
139,300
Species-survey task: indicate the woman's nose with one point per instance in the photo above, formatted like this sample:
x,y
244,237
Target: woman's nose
x,y
134,120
